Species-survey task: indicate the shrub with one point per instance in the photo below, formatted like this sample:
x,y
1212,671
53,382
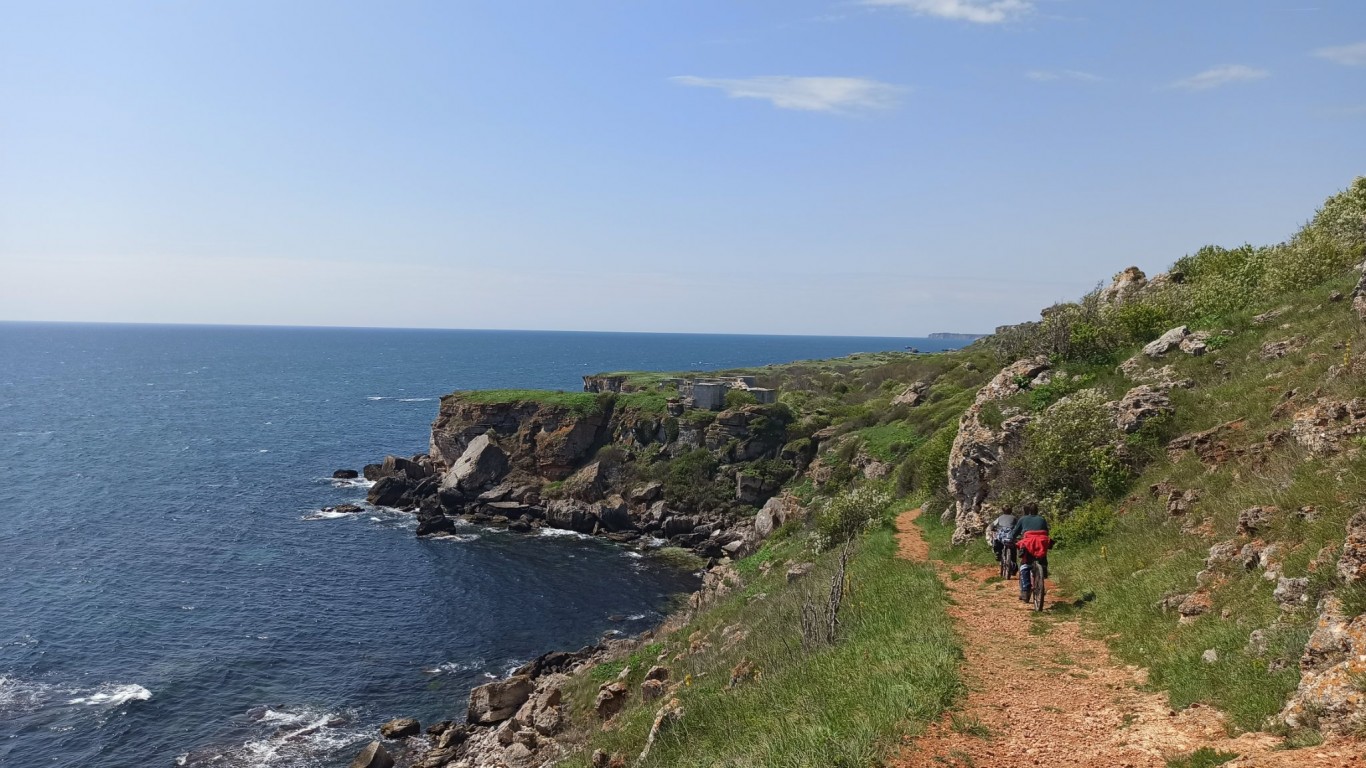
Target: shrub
x,y
1084,524
689,481
1068,449
736,398
851,513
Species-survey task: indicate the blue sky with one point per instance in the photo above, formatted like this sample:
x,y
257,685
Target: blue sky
x,y
889,167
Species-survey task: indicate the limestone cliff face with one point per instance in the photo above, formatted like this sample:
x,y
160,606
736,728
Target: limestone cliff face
x,y
980,450
542,439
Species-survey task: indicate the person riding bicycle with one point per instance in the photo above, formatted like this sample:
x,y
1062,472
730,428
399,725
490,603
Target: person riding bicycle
x,y
999,532
1030,534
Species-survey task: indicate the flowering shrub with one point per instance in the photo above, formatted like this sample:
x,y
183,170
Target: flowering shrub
x,y
849,514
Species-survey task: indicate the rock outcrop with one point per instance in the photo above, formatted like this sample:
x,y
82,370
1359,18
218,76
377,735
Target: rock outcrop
x,y
1166,342
1326,426
981,449
1125,286
544,439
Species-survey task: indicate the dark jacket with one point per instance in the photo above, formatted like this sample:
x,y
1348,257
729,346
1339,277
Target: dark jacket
x,y
1028,523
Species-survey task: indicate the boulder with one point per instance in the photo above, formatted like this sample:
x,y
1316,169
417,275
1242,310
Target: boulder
x,y
1291,593
1255,519
1139,405
373,756
1275,350
481,465
614,515
400,727
1328,425
651,690
611,698
346,474
1194,605
657,673
645,494
388,491
1125,286
1166,342
1270,315
1210,656
1352,562
542,712
913,395
435,524
1196,344
1329,697
799,570
776,511
499,700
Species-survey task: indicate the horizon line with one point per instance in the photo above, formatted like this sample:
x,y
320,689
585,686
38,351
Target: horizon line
x,y
265,326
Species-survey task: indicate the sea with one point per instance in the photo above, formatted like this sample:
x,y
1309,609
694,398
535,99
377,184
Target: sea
x,y
173,591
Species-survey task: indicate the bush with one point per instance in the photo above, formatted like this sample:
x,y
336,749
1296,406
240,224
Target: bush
x,y
849,514
736,398
1084,524
689,481
1069,450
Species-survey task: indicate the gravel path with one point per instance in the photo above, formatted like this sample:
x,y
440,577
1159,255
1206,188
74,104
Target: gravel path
x,y
1042,694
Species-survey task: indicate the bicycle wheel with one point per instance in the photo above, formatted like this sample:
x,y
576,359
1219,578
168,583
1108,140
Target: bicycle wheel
x,y
1005,566
1036,574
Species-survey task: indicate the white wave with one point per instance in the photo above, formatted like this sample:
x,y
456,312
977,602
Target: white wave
x,y
114,695
416,399
263,450
22,696
358,482
376,397
452,667
460,537
326,514
548,531
653,543
632,554
295,737
635,617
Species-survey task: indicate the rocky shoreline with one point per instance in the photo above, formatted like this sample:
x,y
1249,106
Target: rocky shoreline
x,y
527,466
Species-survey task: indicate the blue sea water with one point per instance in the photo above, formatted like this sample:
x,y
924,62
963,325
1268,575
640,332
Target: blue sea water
x,y
170,593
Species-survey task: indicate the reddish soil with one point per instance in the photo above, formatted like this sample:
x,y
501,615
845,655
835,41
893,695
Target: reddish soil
x,y
1054,697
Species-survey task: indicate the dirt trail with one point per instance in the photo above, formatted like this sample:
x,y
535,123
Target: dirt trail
x,y
1057,698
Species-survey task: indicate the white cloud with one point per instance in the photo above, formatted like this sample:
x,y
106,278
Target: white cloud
x,y
812,94
975,11
1213,78
1353,55
1048,75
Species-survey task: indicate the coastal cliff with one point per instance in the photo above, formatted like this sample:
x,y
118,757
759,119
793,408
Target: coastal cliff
x,y
597,463
1195,439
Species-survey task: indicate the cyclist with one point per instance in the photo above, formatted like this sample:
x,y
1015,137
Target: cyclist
x,y
998,533
1030,534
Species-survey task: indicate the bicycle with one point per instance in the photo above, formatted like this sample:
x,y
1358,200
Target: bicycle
x,y
1008,564
1033,573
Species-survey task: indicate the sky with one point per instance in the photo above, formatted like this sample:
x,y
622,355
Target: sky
x,y
833,167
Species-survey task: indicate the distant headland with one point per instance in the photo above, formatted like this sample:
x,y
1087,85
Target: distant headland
x,y
958,336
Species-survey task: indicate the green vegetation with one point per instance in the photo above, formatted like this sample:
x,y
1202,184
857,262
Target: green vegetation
x,y
583,403
1202,758
843,705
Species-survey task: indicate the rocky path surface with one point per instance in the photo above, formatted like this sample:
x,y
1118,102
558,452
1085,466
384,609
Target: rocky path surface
x,y
1040,693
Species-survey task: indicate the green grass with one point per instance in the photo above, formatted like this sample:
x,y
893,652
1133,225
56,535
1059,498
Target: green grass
x,y
1204,757
891,441
893,670
583,403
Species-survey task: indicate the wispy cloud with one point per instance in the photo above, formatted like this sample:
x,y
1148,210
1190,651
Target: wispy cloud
x,y
1353,55
811,94
975,11
1049,75
1219,76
